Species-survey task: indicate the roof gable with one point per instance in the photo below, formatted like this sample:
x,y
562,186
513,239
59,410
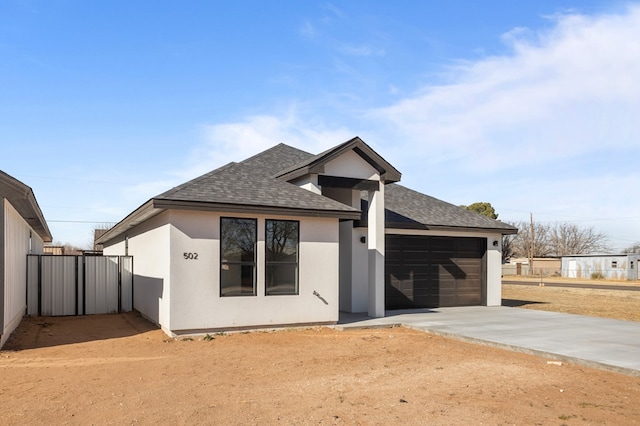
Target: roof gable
x,y
316,163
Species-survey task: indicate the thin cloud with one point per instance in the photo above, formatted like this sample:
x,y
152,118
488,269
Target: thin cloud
x,y
360,50
565,91
307,29
236,141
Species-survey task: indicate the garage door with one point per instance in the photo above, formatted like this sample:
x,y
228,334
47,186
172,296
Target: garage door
x,y
428,272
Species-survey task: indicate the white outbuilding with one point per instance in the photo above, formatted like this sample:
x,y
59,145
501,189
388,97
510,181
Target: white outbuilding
x,y
23,231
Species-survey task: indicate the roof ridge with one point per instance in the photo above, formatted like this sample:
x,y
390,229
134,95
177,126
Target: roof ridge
x,y
273,148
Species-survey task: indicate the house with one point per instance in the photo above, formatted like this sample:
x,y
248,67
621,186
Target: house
x,y
287,237
609,266
23,231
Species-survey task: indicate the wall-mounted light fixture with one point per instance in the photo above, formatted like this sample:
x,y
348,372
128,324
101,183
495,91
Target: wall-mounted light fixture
x,y
495,243
363,239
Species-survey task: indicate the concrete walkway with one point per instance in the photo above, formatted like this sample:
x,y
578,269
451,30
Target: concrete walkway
x,y
595,342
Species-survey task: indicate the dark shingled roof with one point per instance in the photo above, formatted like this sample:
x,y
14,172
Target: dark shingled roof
x,y
275,159
257,184
250,185
406,208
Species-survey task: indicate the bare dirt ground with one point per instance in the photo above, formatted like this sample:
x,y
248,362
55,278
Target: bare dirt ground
x,y
120,369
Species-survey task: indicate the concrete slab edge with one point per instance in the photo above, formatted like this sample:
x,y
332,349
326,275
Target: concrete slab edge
x,y
493,344
543,354
344,327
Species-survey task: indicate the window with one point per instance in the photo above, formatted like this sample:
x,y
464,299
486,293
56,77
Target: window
x,y
237,257
281,242
614,264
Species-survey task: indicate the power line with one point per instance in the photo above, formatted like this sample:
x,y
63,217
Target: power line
x,y
80,221
76,179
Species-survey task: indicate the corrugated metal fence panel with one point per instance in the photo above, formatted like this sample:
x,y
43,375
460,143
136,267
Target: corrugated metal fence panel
x,y
58,296
126,279
32,284
111,283
101,284
79,285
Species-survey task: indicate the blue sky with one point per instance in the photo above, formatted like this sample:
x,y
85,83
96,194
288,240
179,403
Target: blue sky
x,y
532,106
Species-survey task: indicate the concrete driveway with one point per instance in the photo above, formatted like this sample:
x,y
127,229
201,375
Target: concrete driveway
x,y
595,342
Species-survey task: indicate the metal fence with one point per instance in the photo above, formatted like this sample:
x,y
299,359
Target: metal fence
x,y
524,270
79,285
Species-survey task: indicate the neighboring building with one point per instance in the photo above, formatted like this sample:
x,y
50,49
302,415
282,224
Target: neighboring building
x,y
542,266
23,231
609,266
54,250
287,237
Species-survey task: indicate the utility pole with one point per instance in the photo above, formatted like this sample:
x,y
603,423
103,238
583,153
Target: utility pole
x,y
531,245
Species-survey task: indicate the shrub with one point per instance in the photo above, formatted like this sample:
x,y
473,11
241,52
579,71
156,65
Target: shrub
x,y
597,276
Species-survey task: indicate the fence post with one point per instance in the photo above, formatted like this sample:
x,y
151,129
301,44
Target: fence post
x,y
119,286
39,285
76,286
84,286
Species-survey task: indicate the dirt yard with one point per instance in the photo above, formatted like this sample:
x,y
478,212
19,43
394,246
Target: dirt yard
x,y
120,369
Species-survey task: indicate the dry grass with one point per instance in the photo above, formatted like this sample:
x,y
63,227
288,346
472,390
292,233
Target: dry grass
x,y
616,304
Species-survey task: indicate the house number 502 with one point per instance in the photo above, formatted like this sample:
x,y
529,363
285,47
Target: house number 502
x,y
191,256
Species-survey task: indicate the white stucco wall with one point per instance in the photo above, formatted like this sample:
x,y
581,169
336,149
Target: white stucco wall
x,y
196,303
359,271
17,234
190,299
149,244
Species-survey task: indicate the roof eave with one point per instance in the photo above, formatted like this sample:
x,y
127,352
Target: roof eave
x,y
257,209
503,231
156,206
139,215
24,201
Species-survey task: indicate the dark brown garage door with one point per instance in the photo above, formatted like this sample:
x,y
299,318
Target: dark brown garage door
x,y
429,272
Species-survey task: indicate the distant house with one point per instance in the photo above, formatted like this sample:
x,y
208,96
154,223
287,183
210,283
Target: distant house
x,y
542,266
609,266
288,237
23,230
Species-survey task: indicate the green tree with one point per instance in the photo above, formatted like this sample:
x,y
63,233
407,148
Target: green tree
x,y
485,209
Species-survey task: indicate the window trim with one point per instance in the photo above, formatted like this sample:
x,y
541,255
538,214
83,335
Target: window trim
x,y
254,263
267,262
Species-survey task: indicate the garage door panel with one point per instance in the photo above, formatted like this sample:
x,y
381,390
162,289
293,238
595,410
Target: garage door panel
x,y
427,271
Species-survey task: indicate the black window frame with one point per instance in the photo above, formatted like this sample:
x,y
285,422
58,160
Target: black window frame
x,y
242,263
268,263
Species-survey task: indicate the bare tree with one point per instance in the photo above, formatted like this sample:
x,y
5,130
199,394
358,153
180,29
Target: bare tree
x,y
521,242
558,240
567,238
507,247
635,248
